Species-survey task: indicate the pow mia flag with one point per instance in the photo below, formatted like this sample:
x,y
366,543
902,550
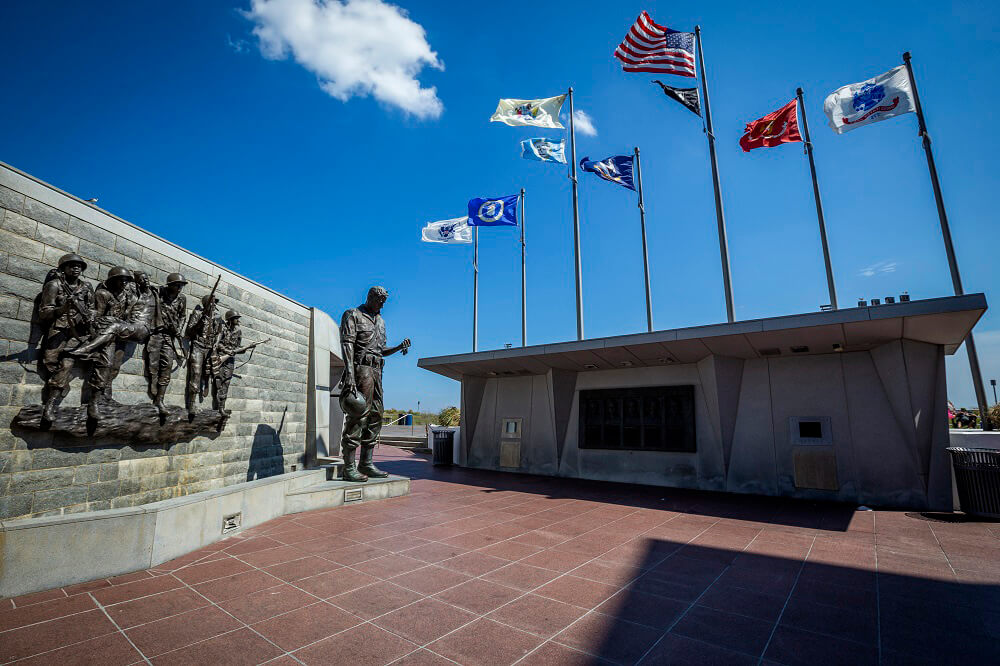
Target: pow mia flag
x,y
687,96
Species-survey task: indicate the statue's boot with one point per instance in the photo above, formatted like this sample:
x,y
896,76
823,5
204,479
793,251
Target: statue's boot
x,y
367,466
189,403
90,347
51,405
92,408
221,406
351,472
161,392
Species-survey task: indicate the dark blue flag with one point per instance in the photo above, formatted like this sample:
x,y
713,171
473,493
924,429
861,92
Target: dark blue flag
x,y
617,169
495,212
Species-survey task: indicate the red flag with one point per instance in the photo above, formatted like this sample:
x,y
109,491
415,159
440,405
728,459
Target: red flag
x,y
781,126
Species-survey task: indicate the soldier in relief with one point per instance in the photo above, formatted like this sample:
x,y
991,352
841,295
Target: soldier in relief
x,y
112,302
66,312
202,331
161,349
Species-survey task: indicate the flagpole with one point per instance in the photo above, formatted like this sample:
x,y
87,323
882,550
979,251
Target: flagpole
x,y
819,204
475,289
524,288
719,215
956,278
645,254
576,221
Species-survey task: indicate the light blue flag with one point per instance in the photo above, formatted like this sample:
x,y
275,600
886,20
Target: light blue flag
x,y
544,150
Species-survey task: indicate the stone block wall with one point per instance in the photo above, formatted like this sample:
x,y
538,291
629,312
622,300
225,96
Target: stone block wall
x,y
43,474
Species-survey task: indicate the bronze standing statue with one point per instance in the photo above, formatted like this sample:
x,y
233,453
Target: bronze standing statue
x,y
66,310
363,342
161,349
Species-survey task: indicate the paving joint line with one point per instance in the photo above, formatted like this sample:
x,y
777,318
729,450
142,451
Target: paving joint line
x,y
777,621
696,600
878,593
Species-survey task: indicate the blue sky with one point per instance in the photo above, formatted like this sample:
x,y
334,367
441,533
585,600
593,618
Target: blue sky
x,y
176,119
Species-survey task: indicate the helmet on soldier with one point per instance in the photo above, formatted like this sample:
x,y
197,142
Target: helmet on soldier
x,y
72,258
232,314
119,272
176,278
207,298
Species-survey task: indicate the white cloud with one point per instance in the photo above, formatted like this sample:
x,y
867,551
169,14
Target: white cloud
x,y
878,267
355,48
583,123
238,46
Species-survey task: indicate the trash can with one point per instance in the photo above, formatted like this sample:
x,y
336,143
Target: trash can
x,y
977,474
444,447
408,420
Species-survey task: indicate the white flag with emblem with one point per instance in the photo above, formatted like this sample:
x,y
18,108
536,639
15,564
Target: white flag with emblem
x,y
456,230
879,98
535,112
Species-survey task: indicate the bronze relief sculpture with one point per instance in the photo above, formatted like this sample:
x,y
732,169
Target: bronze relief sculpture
x,y
94,328
363,344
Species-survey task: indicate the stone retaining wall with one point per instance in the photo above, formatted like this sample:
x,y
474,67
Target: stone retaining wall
x,y
42,474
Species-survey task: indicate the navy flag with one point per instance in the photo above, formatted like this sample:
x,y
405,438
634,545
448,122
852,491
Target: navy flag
x,y
687,96
617,169
495,212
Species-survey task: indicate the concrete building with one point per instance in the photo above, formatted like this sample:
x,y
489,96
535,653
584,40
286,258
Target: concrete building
x,y
848,405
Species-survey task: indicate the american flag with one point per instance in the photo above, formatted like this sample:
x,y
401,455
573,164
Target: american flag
x,y
649,47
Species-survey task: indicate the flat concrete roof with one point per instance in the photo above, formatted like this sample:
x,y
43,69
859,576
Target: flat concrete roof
x,y
944,321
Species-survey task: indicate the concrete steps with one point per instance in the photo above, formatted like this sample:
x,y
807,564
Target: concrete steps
x,y
333,466
404,442
329,494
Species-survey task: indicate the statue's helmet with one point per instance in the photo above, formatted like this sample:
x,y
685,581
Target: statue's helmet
x,y
232,314
208,298
119,272
72,258
353,403
176,278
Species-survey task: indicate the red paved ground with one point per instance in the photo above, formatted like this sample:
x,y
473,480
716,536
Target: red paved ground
x,y
490,568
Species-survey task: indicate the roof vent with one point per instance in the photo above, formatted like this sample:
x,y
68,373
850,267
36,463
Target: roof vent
x,y
770,351
800,349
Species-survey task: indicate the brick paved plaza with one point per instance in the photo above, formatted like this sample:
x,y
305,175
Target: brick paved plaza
x,y
492,568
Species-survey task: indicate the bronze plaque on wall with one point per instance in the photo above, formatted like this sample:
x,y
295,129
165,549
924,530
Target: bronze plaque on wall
x,y
648,418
